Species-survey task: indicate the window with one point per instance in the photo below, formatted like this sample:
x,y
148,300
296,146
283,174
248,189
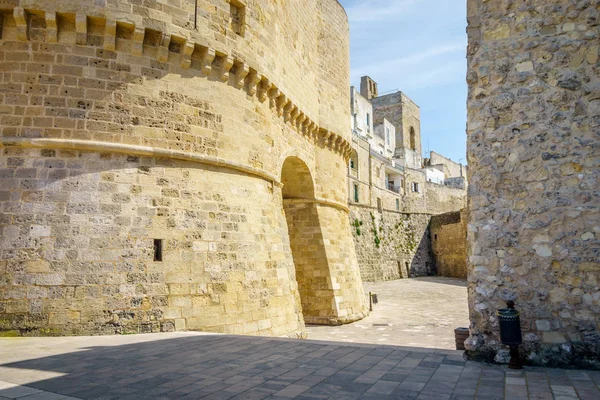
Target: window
x,y
435,237
237,15
368,121
158,250
379,205
354,160
356,193
413,139
415,187
398,206
387,135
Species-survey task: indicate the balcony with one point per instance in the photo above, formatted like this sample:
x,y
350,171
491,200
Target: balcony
x,y
392,188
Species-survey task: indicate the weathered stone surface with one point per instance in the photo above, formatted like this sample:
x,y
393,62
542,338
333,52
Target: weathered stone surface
x,y
449,243
391,201
533,174
124,129
391,245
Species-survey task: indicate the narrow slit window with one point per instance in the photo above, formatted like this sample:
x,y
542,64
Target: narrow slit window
x,y
237,15
158,250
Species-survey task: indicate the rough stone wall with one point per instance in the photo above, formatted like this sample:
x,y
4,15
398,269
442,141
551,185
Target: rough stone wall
x,y
534,220
443,199
449,243
122,124
391,245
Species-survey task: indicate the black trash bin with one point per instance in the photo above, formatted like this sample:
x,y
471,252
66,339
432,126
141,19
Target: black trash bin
x,y
509,320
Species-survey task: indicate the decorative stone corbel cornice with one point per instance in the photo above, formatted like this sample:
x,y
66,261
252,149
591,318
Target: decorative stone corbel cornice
x,y
186,54
162,54
226,65
192,55
21,17
264,88
207,58
51,29
81,29
137,48
241,71
253,79
110,35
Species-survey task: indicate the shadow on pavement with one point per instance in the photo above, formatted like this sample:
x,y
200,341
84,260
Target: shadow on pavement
x,y
443,280
224,366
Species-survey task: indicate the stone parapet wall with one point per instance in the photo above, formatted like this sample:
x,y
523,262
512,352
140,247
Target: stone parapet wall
x,y
443,199
534,217
455,169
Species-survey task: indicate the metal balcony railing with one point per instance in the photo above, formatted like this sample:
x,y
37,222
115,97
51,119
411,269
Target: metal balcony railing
x,y
392,188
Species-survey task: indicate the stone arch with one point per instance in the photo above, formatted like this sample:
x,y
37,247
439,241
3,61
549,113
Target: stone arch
x,y
306,242
353,163
413,138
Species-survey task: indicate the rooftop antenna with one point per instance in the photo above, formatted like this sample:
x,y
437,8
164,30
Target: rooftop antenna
x,y
388,92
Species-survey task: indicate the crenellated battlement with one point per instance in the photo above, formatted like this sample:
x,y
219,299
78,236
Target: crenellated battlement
x,y
125,36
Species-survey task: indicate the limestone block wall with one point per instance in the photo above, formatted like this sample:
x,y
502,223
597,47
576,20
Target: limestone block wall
x,y
131,127
391,245
534,220
449,243
443,199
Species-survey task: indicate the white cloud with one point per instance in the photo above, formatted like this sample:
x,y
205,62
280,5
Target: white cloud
x,y
452,72
377,10
416,59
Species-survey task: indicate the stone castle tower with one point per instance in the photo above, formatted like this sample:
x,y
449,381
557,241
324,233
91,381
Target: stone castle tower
x,y
170,167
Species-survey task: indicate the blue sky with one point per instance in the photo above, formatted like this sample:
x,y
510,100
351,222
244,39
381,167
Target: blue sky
x,y
418,47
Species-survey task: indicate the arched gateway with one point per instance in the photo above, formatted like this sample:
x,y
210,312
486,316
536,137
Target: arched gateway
x,y
141,181
307,243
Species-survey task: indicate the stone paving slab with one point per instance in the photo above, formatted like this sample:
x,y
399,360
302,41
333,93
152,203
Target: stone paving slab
x,y
14,391
211,366
420,312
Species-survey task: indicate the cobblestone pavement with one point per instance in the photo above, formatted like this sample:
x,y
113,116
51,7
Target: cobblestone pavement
x,y
211,366
419,312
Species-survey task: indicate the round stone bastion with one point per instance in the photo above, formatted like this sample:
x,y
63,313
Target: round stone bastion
x,y
174,165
